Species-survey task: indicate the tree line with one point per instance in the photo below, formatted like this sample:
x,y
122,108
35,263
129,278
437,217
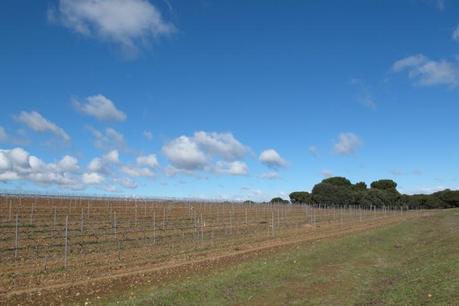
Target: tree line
x,y
381,193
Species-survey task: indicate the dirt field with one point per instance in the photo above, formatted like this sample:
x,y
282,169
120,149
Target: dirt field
x,y
412,262
62,250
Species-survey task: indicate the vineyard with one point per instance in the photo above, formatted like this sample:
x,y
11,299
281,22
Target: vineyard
x,y
46,241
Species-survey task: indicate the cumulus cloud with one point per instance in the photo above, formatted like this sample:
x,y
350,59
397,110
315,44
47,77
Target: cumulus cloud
x,y
426,72
105,163
347,143
232,168
18,164
104,172
92,178
206,151
272,159
96,165
69,163
112,157
144,167
184,153
108,139
36,122
147,160
222,144
100,108
127,183
135,171
127,23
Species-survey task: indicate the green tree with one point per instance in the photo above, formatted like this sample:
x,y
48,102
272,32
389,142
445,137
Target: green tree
x,y
333,194
450,197
337,181
360,186
384,185
424,201
300,197
279,200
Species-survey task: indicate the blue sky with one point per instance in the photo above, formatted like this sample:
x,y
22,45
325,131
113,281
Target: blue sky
x,y
227,99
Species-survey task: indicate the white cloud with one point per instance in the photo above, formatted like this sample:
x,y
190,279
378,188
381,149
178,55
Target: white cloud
x,y
38,123
108,139
18,164
208,151
455,35
92,178
222,144
184,153
426,72
112,157
127,183
19,157
96,165
127,23
69,163
147,160
238,168
5,163
101,108
272,159
148,135
347,143
137,171
102,172
232,168
143,168
8,176
270,175
3,134
104,164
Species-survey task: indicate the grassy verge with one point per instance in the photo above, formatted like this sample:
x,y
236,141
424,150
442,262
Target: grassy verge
x,y
411,263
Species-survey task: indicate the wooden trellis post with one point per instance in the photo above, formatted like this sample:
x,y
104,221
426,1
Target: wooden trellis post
x,y
154,227
31,213
114,223
9,213
66,240
54,220
17,237
202,228
246,216
81,221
